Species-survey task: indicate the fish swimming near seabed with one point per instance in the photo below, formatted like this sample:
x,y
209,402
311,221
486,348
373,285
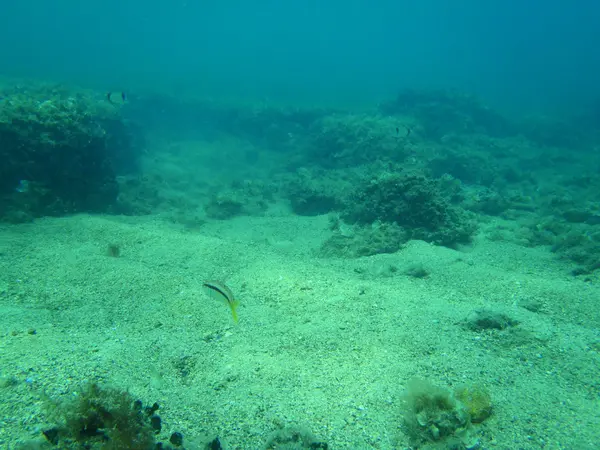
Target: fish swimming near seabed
x,y
408,131
23,186
116,98
219,291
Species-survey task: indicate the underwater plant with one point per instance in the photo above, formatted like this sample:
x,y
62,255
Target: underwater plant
x,y
104,418
437,416
348,140
432,414
477,400
412,201
294,437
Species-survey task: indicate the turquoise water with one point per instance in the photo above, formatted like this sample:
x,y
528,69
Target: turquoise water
x,y
533,55
395,209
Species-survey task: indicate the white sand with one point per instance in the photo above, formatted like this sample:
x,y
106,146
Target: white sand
x,y
325,343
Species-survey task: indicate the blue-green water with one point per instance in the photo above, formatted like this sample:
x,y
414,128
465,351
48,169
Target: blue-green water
x,y
395,205
520,55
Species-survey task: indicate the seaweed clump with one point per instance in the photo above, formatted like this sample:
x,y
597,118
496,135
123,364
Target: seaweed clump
x,y
581,245
433,415
357,241
412,202
294,438
477,400
104,418
312,192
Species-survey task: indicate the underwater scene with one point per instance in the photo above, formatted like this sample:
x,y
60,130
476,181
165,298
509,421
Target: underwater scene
x,y
299,225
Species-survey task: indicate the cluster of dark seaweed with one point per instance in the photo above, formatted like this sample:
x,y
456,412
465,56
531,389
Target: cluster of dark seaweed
x,y
109,419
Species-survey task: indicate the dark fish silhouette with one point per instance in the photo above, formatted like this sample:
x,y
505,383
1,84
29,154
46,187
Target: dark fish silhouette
x,y
116,99
408,131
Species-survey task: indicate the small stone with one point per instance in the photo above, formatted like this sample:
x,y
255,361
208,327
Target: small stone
x,y
156,423
176,439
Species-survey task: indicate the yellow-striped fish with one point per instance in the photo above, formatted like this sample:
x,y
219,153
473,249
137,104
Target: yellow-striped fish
x,y
219,291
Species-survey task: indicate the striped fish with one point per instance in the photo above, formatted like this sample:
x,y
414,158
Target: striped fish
x,y
219,291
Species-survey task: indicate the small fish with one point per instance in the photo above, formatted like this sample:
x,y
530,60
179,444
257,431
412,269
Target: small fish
x,y
219,291
116,99
594,219
23,186
408,131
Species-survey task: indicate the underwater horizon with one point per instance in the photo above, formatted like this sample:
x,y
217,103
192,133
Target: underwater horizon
x,y
537,56
299,225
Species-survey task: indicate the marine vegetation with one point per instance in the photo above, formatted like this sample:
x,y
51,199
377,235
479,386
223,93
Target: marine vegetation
x,y
356,241
445,111
294,438
103,418
435,415
343,140
61,151
219,291
477,400
410,205
223,207
316,191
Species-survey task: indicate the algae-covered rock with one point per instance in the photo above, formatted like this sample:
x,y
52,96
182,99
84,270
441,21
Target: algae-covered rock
x,y
61,149
445,111
415,203
103,418
313,192
488,319
342,140
224,206
432,414
357,241
477,400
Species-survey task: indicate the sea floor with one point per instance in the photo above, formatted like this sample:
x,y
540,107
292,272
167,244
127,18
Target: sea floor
x,y
324,344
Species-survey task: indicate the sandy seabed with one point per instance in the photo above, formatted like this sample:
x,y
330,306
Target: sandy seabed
x,y
327,344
